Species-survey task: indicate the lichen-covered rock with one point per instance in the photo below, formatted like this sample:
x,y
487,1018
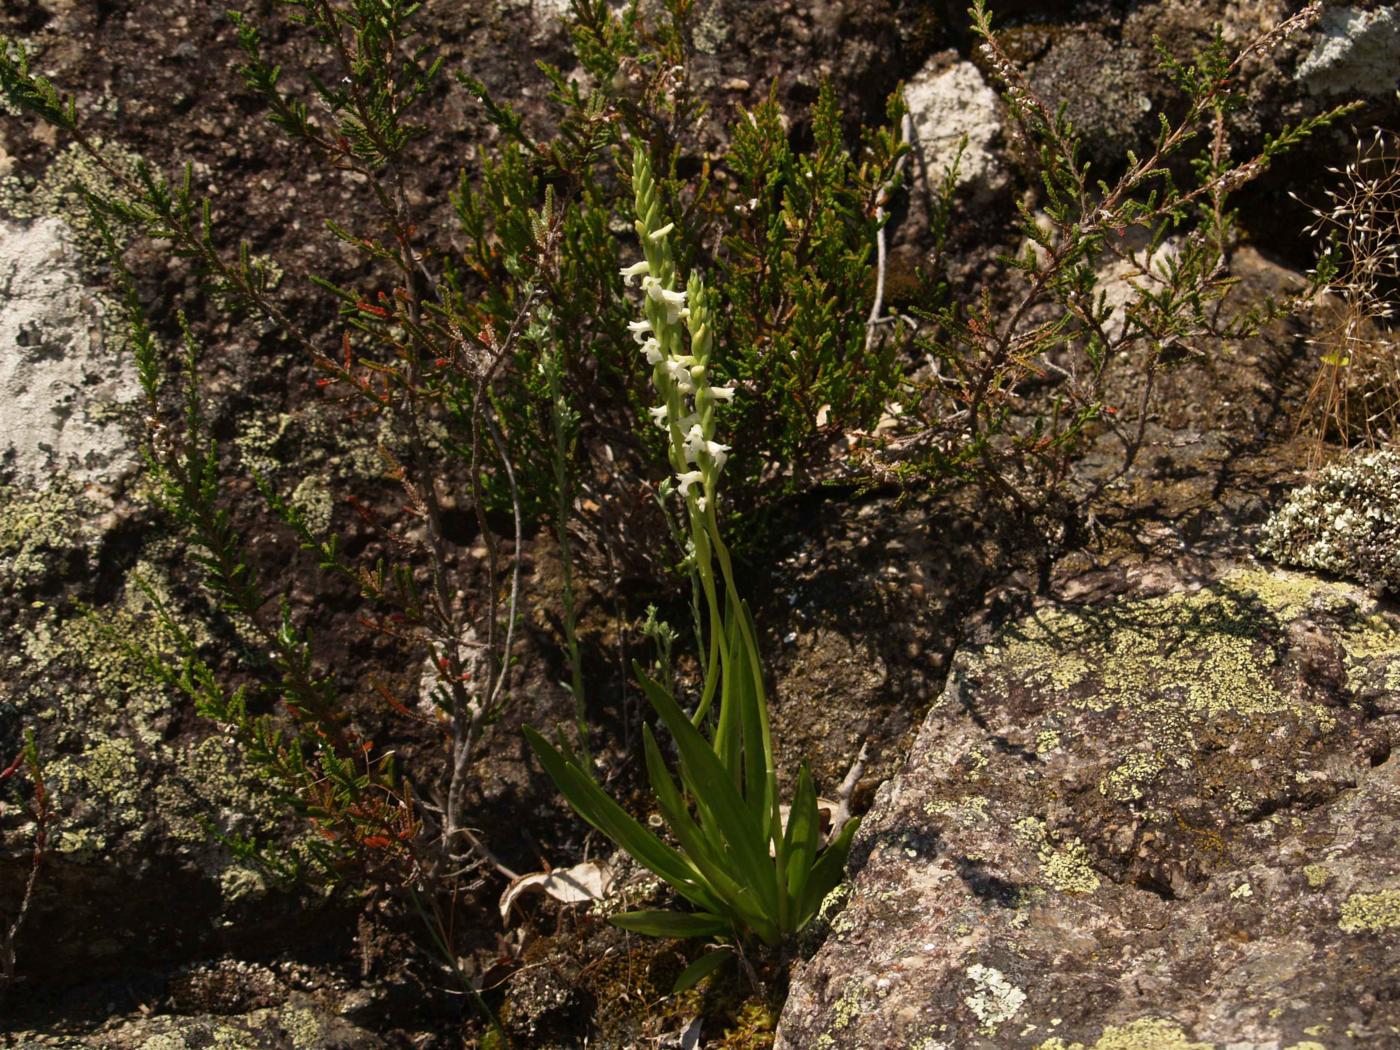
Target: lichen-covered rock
x,y
62,383
1108,90
1357,52
1347,522
950,103
1165,820
301,1022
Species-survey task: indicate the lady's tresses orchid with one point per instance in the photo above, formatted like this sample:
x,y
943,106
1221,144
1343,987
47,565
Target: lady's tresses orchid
x,y
672,318
735,860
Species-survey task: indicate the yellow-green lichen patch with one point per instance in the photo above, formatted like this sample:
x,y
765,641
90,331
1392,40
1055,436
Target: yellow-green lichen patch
x,y
994,999
1130,778
967,811
1067,868
1146,1033
1370,912
64,186
1317,875
96,681
312,499
116,775
107,778
1291,594
854,1001
1375,635
1180,658
1064,865
35,525
1372,644
1171,680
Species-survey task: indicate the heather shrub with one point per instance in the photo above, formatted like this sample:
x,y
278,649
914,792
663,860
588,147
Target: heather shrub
x,y
1115,282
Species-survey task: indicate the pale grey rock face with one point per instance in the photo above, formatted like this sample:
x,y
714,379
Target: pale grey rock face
x,y
62,384
1358,53
947,102
1164,821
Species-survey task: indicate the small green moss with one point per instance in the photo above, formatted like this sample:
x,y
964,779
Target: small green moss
x,y
1371,912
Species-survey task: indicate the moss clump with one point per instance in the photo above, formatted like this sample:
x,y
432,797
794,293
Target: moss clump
x,y
1347,522
1370,912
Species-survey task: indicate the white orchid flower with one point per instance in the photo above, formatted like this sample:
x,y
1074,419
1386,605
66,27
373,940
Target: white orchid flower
x,y
640,269
722,393
641,330
673,301
658,416
719,454
680,375
656,235
690,477
652,349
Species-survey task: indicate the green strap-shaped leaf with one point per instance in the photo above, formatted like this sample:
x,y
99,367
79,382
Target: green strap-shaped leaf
x,y
700,969
753,716
803,835
711,858
676,924
594,806
709,781
826,873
